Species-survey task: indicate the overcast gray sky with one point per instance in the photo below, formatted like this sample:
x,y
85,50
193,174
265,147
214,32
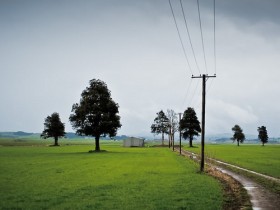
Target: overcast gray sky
x,y
50,49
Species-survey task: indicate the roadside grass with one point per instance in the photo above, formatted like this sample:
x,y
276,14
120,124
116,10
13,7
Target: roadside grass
x,y
268,184
265,160
68,177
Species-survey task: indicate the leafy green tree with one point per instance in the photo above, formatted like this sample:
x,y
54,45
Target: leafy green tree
x,y
263,137
54,128
238,134
97,114
160,125
190,125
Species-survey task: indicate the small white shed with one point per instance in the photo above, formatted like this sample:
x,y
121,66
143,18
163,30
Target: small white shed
x,y
133,142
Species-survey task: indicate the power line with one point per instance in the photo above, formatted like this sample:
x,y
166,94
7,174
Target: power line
x,y
201,33
187,28
187,94
180,37
204,77
210,85
215,59
195,90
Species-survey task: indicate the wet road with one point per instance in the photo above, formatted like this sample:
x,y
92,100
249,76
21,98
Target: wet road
x,y
260,197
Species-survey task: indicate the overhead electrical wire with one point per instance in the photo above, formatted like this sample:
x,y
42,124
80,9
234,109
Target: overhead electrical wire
x,y
201,33
194,92
187,94
187,28
215,59
182,44
209,87
192,100
214,45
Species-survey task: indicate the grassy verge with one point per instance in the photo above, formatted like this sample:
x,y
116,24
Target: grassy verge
x,y
265,160
268,184
68,177
235,196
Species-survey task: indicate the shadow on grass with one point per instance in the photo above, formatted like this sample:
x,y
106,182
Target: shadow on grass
x,y
193,147
93,153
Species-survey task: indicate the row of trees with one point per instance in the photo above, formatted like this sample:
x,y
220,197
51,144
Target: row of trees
x,y
189,126
239,136
95,115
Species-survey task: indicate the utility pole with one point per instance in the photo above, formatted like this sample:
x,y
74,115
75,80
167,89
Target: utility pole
x,y
180,134
172,137
204,79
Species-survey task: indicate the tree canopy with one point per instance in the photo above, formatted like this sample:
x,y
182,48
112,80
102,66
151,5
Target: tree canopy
x,y
238,134
263,137
54,128
160,125
97,114
190,125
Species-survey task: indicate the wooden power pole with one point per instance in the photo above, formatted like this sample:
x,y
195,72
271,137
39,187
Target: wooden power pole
x,y
180,133
204,79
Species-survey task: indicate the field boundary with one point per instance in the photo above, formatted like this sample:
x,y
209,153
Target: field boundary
x,y
235,195
193,155
259,196
244,169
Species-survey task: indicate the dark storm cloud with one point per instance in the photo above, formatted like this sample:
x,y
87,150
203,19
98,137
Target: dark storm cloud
x,y
51,49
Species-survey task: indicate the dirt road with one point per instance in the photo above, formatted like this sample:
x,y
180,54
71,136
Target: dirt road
x,y
260,197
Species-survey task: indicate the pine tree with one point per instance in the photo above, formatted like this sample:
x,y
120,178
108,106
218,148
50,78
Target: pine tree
x,y
190,125
160,125
263,137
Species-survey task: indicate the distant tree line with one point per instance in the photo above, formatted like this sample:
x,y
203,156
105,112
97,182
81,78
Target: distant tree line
x,y
169,124
189,127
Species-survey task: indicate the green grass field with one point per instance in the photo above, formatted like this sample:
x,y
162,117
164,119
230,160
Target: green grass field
x,y
68,177
265,160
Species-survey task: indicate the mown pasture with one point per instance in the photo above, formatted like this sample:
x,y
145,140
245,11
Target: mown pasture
x,y
262,159
68,177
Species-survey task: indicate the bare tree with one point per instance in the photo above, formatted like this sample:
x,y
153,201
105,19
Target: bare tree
x,y
173,124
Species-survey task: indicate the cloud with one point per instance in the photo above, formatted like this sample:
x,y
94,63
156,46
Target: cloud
x,y
51,50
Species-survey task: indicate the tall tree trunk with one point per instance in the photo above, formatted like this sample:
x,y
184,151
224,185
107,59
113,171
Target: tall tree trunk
x,y
191,142
162,138
55,141
263,143
169,141
170,136
97,146
237,143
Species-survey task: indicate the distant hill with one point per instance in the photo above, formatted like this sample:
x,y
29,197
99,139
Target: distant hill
x,y
218,138
69,135
18,134
250,139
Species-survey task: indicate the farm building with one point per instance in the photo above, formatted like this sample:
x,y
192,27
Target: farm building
x,y
133,142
